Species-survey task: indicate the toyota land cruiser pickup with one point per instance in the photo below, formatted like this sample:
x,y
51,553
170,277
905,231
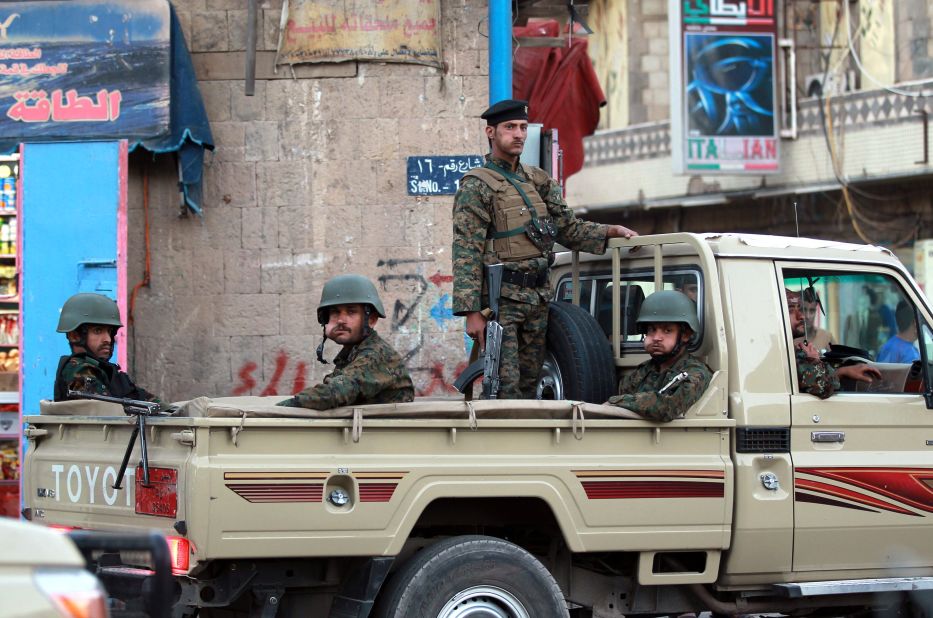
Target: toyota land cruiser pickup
x,y
759,499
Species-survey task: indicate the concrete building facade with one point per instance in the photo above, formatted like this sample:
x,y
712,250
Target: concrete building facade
x,y
859,135
307,181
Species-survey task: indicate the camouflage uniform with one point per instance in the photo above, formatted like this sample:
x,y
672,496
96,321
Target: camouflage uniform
x,y
815,377
523,310
640,389
368,372
82,372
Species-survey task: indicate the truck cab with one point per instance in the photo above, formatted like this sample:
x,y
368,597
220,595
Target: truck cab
x,y
839,487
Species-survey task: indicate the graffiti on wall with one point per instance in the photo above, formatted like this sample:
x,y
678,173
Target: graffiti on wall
x,y
418,308
247,382
427,300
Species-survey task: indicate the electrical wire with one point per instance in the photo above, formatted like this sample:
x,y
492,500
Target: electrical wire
x,y
903,230
872,78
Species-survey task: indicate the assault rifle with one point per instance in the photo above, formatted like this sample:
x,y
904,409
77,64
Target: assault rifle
x,y
488,365
132,407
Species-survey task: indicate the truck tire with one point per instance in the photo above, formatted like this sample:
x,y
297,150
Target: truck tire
x,y
472,576
578,364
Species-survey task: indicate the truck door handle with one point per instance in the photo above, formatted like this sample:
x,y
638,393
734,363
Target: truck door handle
x,y
827,436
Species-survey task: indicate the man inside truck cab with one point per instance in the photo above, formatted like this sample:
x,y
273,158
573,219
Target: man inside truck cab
x,y
90,322
812,308
367,369
665,386
814,375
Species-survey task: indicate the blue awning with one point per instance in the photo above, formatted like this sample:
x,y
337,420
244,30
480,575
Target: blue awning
x,y
189,132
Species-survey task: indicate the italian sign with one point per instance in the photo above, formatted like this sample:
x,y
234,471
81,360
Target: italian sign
x,y
378,30
439,175
723,101
84,69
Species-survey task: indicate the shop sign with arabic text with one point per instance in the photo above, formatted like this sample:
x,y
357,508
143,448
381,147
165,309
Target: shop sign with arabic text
x,y
378,30
84,69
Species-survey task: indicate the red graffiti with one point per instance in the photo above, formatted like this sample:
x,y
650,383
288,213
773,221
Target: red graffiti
x,y
437,279
300,372
272,388
248,382
438,381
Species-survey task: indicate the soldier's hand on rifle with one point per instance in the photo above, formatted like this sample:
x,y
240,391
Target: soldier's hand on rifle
x,y
808,349
476,328
620,231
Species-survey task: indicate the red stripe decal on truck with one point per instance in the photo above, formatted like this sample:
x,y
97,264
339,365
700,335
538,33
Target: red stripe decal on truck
x,y
621,490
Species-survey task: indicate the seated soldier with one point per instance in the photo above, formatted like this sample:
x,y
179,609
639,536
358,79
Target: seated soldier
x,y
815,376
900,348
665,386
367,369
90,322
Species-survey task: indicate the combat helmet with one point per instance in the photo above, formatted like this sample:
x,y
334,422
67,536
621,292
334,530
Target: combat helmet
x,y
347,290
668,306
87,308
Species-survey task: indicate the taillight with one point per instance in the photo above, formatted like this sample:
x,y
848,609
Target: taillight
x,y
75,593
60,528
161,497
179,551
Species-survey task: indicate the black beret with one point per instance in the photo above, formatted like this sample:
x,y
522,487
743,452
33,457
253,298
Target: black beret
x,y
509,109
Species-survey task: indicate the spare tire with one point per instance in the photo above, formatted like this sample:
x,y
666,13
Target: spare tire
x,y
578,364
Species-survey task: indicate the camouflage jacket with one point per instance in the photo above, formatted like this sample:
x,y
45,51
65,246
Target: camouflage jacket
x,y
639,390
473,224
815,377
368,372
82,372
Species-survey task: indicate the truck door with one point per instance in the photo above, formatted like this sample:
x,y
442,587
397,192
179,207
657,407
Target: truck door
x,y
863,457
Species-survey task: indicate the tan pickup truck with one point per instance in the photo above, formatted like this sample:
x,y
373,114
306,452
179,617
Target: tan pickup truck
x,y
760,499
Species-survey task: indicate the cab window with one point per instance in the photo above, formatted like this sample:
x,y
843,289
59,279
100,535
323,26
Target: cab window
x,y
853,317
635,286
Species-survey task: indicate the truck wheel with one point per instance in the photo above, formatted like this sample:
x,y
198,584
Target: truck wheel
x,y
578,364
472,576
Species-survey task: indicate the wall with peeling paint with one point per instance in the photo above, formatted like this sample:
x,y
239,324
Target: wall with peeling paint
x,y
308,181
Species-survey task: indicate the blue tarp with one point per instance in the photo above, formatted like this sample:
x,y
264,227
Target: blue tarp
x,y
189,132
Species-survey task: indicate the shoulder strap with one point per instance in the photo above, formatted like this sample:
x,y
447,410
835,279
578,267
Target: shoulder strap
x,y
487,176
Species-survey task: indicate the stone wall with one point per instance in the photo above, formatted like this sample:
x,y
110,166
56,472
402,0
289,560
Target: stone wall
x,y
308,181
649,87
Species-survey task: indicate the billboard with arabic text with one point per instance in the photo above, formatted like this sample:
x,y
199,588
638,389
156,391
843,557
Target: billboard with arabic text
x,y
84,69
378,30
723,101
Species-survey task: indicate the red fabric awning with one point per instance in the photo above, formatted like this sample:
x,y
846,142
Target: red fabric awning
x,y
561,88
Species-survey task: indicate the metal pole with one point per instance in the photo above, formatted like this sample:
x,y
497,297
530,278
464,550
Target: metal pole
x,y
249,88
500,50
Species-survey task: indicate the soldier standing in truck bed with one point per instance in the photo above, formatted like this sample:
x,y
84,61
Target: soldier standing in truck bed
x,y
513,213
367,369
